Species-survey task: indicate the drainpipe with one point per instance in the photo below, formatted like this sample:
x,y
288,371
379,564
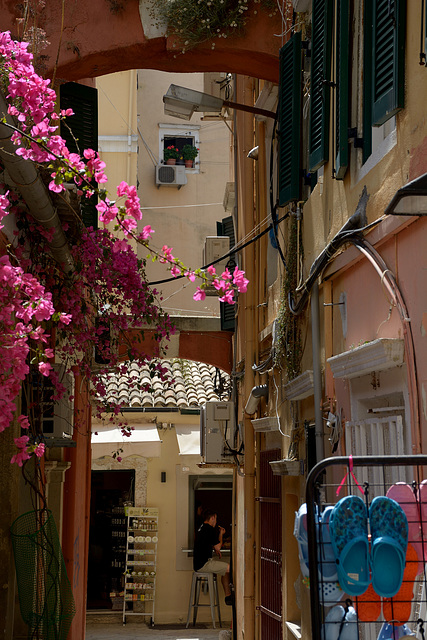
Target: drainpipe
x,y
132,88
317,372
25,177
248,341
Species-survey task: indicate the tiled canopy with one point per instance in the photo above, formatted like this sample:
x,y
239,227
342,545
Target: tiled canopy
x,y
188,384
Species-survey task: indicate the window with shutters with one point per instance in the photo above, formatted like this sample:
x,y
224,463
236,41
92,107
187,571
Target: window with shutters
x,y
388,58
80,132
290,121
320,90
377,437
342,88
227,311
383,67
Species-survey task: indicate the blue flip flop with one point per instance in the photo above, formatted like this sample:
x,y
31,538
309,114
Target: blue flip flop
x,y
333,624
392,632
330,591
389,541
300,533
340,624
327,564
350,630
348,527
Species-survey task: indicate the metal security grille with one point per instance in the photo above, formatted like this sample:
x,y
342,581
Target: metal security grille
x,y
271,548
167,174
334,478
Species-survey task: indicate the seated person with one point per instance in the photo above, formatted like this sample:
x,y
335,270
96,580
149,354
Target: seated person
x,y
207,540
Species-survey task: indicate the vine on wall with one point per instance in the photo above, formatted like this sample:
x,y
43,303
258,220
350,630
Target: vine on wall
x,y
194,22
289,348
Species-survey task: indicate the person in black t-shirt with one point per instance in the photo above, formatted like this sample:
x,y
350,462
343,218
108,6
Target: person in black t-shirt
x,y
207,540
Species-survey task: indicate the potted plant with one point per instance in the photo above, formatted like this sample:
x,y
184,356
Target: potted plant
x,y
171,154
189,154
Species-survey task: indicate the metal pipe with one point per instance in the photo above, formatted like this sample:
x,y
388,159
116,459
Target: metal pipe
x,y
317,372
25,177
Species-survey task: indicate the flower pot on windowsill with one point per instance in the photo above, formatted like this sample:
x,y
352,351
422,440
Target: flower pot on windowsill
x,y
171,161
189,164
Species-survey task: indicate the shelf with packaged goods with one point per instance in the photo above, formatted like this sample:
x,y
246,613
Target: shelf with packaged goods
x,y
141,559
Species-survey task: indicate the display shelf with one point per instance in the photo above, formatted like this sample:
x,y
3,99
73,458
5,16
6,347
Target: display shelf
x,y
118,556
140,562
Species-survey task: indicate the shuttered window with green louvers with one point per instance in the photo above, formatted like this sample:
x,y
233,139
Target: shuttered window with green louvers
x,y
80,132
290,121
388,59
367,79
342,88
227,311
320,91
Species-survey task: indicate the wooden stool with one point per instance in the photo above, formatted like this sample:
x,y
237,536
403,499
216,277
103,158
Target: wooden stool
x,y
199,578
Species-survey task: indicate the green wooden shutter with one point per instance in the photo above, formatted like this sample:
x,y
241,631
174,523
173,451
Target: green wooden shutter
x,y
84,133
227,311
367,79
388,59
342,89
290,120
320,94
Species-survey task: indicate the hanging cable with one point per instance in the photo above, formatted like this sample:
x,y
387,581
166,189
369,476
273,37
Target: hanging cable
x,y
273,205
235,249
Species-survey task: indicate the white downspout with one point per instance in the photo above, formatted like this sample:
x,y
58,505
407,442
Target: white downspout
x,y
25,177
317,372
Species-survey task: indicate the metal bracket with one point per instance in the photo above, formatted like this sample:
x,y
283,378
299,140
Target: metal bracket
x,y
357,142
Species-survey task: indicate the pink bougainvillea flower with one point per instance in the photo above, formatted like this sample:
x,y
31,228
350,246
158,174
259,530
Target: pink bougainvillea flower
x,y
146,233
20,457
199,295
228,297
45,368
39,450
239,280
23,421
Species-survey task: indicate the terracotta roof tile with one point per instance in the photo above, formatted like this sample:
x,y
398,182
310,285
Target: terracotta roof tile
x,y
189,384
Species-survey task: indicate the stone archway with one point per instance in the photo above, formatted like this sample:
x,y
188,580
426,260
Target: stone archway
x,y
92,40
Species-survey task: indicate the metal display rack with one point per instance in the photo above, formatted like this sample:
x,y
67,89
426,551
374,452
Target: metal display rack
x,y
368,477
141,562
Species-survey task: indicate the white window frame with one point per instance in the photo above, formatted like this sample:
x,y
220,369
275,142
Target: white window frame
x,y
181,131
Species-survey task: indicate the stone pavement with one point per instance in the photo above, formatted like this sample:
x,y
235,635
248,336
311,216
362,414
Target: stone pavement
x,y
140,631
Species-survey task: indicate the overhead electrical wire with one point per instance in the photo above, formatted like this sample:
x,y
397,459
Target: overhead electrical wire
x,y
235,249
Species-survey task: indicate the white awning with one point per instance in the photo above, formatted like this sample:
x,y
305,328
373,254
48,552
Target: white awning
x,y
143,441
188,436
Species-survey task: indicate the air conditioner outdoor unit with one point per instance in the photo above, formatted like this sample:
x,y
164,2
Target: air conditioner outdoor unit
x,y
215,247
216,432
168,175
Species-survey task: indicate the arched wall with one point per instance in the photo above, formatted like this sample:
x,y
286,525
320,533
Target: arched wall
x,y
86,51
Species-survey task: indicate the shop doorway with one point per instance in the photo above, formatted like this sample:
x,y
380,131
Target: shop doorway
x,y
110,492
210,492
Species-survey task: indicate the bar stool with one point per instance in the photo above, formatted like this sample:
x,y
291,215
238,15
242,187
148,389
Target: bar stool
x,y
199,578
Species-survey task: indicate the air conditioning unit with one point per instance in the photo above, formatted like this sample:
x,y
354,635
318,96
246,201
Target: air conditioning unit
x,y
215,247
216,432
170,175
